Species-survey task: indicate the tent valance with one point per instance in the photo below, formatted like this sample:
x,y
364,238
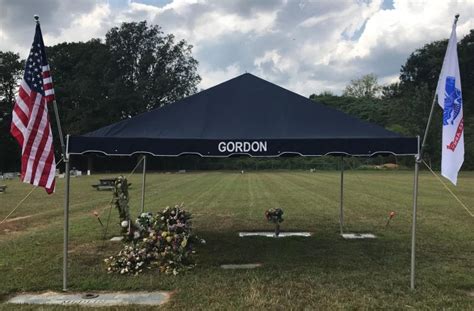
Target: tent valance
x,y
116,146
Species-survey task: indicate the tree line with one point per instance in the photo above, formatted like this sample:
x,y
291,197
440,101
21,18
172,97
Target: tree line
x,y
404,106
138,68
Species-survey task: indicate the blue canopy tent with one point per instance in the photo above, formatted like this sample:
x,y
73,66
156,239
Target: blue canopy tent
x,y
243,116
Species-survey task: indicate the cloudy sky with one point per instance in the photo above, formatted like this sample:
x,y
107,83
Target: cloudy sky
x,y
308,46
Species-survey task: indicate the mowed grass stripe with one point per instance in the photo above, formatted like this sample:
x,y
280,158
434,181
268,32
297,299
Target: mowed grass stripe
x,y
165,189
321,272
305,200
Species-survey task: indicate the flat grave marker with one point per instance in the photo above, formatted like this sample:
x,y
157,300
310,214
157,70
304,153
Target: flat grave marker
x,y
271,234
358,236
241,266
101,299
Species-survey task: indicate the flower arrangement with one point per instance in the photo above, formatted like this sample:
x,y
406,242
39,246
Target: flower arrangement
x,y
164,241
275,215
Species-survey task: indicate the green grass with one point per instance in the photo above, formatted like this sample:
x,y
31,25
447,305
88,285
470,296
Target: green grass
x,y
321,272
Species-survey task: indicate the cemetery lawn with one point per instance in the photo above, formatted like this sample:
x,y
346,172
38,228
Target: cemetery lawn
x,y
320,272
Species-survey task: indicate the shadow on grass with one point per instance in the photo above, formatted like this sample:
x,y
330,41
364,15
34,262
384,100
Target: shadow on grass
x,y
329,251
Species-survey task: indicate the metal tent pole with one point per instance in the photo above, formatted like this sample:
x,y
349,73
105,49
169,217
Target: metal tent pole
x,y
341,210
66,221
415,205
143,183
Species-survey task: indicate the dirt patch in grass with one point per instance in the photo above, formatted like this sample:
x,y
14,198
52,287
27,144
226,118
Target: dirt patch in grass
x,y
37,222
17,218
21,224
85,249
92,254
14,224
9,228
93,249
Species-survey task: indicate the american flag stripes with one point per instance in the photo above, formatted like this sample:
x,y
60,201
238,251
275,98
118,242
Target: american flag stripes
x,y
30,120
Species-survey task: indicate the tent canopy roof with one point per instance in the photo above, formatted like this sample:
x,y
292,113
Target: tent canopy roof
x,y
245,115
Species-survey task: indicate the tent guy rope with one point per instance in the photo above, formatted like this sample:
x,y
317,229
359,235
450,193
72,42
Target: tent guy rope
x,y
22,200
19,203
449,190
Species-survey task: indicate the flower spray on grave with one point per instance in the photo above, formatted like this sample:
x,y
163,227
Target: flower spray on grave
x,y
164,242
275,215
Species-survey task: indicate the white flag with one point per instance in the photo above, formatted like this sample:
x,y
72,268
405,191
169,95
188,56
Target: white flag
x,y
450,99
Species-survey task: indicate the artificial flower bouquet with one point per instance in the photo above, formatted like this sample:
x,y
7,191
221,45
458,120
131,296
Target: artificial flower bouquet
x,y
164,241
275,215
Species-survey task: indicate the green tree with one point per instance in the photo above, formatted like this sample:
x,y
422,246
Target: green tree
x,y
369,109
10,75
148,69
135,70
364,87
81,88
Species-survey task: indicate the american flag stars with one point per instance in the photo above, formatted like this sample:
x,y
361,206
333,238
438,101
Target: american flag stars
x,y
32,76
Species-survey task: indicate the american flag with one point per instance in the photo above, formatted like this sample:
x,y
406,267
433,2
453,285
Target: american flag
x,y
30,120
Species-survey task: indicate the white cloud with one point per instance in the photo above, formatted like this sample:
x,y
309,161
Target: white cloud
x,y
389,79
83,27
212,25
211,77
307,46
16,21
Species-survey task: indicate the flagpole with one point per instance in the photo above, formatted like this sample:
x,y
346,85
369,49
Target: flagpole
x,y
60,130
423,144
418,160
67,187
56,114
